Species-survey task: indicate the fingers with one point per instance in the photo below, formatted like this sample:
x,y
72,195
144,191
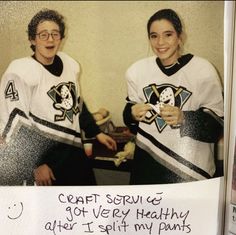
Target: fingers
x,y
140,117
107,141
52,175
40,181
43,175
111,144
139,111
172,115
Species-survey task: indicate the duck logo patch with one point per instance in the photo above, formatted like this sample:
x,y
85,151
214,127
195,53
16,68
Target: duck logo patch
x,y
64,99
163,94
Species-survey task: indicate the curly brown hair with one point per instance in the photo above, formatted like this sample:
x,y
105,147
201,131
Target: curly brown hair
x,y
45,15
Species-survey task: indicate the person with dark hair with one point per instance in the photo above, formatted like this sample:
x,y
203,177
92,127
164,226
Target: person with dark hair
x,y
175,108
43,114
49,15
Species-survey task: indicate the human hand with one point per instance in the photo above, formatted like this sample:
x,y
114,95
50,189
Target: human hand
x,y
107,141
139,111
43,175
172,115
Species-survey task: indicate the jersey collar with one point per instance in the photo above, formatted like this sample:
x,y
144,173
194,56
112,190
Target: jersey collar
x,y
170,70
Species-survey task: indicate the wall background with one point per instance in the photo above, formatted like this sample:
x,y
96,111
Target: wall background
x,y
105,37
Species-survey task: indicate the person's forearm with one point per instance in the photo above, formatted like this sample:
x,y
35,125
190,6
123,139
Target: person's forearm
x,y
87,123
201,126
128,118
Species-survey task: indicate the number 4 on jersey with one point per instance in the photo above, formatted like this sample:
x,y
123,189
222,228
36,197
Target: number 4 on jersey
x,y
11,92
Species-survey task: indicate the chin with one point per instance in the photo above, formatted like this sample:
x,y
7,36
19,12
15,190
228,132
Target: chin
x,y
163,59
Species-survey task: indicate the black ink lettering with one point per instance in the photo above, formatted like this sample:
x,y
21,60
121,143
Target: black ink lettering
x,y
103,229
78,199
115,226
60,198
140,214
70,214
15,211
166,214
123,199
89,227
234,209
234,218
65,226
101,212
156,200
139,227
182,215
162,214
125,213
189,228
51,227
109,199
75,212
91,198
174,227
78,211
144,226
116,213
70,198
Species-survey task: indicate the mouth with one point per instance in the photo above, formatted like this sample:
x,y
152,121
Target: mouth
x,y
166,101
50,47
162,50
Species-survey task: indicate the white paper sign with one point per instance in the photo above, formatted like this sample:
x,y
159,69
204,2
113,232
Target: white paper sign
x,y
232,218
173,209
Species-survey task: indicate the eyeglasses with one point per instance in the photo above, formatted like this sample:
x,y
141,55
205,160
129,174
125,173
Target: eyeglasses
x,y
44,36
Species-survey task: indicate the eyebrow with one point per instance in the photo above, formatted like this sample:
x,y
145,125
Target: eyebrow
x,y
45,30
167,31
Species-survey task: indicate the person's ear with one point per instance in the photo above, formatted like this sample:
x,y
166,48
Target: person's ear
x,y
182,39
32,42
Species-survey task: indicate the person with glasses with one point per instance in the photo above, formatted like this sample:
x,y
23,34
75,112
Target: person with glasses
x,y
174,106
43,114
44,36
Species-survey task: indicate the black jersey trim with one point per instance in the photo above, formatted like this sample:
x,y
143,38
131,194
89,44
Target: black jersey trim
x,y
19,112
220,120
54,126
173,154
12,116
182,61
56,68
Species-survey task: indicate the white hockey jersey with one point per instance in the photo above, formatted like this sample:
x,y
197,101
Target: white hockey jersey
x,y
195,85
38,111
31,95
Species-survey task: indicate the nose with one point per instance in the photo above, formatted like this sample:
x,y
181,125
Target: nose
x,y
160,40
50,38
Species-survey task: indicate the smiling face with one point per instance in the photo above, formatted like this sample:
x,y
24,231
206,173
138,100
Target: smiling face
x,y
15,211
164,41
45,50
